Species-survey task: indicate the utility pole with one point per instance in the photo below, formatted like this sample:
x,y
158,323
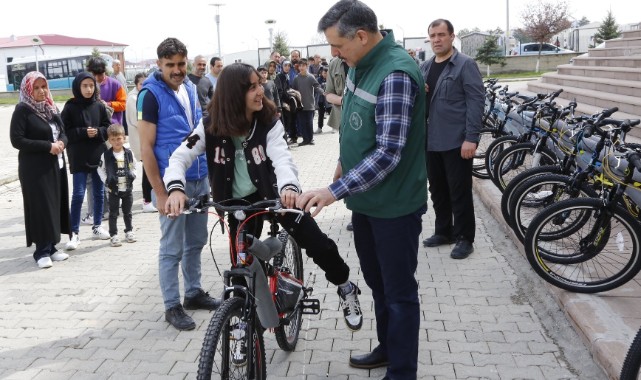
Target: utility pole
x,y
507,28
270,22
218,5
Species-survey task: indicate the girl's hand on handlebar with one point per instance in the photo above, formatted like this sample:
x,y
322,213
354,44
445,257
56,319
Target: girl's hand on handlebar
x,y
288,198
175,204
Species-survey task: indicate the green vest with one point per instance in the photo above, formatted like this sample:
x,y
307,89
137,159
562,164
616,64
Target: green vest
x,y
404,190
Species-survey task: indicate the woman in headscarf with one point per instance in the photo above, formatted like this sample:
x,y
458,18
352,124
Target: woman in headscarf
x,y
37,132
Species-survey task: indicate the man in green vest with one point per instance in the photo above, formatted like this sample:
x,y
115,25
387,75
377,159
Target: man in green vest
x,y
381,175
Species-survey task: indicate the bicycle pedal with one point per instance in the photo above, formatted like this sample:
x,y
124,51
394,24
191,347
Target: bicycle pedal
x,y
310,306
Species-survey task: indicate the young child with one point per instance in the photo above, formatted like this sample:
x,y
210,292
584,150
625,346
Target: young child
x,y
117,170
305,83
85,121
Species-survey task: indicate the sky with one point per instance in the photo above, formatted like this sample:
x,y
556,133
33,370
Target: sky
x,y
143,24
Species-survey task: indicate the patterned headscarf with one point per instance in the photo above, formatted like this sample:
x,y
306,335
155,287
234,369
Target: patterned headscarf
x,y
45,109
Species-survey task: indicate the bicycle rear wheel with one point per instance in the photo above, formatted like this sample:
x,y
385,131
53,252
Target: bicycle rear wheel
x,y
494,149
602,250
224,354
632,363
292,259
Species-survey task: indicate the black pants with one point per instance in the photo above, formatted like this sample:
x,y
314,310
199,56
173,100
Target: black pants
x,y
127,198
146,187
309,236
290,124
450,186
321,116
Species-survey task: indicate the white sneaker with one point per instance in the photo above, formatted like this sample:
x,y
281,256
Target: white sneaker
x,y
59,256
148,207
318,131
130,236
99,233
115,241
351,307
73,242
87,219
45,263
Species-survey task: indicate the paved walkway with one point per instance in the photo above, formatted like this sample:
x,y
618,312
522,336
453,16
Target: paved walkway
x,y
99,315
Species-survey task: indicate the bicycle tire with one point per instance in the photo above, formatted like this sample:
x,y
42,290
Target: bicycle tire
x,y
292,258
528,197
495,148
517,158
603,268
215,356
486,136
632,362
518,180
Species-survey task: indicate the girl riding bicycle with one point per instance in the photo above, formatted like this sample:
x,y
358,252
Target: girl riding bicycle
x,y
248,159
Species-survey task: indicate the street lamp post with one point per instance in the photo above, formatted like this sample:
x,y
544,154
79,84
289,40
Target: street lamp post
x,y
218,5
270,22
36,44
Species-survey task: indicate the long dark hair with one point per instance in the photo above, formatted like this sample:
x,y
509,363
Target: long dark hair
x,y
227,109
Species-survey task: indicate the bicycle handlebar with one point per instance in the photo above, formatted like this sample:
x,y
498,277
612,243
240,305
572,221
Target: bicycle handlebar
x,y
271,205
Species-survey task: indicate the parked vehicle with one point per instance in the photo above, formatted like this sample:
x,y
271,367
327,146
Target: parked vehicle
x,y
532,48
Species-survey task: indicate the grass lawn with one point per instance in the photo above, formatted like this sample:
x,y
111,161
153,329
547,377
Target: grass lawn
x,y
14,100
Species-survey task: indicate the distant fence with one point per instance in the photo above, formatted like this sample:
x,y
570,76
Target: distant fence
x,y
522,63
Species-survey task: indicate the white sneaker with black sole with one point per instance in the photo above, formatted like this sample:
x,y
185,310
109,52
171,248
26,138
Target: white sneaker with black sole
x,y
99,233
87,219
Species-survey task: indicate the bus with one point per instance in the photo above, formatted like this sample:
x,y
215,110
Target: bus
x,y
59,71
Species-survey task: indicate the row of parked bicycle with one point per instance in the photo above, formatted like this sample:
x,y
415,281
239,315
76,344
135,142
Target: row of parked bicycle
x,y
570,189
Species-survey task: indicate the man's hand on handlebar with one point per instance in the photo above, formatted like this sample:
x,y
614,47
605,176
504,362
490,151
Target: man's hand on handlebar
x,y
175,204
318,198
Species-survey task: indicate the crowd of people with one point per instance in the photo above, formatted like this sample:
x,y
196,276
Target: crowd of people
x,y
402,127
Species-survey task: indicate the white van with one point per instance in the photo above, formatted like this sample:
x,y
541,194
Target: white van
x,y
532,48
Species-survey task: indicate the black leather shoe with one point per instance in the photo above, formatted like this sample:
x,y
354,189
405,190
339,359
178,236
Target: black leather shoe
x,y
462,249
201,301
349,227
436,240
374,359
177,317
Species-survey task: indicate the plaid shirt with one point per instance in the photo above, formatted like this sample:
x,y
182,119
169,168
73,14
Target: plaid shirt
x,y
393,116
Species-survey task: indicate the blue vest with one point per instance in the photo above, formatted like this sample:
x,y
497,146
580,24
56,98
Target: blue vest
x,y
172,127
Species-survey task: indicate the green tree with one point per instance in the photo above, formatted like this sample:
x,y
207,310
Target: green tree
x,y
542,20
466,31
583,21
490,53
281,44
95,52
520,36
608,29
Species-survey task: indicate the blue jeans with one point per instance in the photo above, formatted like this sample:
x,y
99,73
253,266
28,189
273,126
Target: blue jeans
x,y
387,249
182,239
78,195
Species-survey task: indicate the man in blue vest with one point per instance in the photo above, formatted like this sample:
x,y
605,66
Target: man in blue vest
x,y
382,177
168,110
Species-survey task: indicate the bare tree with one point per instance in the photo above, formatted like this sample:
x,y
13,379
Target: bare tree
x,y
543,19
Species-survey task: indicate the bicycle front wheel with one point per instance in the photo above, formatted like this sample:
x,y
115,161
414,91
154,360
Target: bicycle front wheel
x,y
602,250
486,136
225,351
290,258
516,159
632,363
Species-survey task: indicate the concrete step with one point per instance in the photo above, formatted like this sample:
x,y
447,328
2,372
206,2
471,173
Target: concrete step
x,y
615,52
623,42
631,33
620,73
596,98
611,86
585,60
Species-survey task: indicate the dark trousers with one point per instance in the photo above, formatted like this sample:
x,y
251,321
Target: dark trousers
x,y
388,252
289,119
309,237
146,187
306,124
127,198
321,117
450,186
44,250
